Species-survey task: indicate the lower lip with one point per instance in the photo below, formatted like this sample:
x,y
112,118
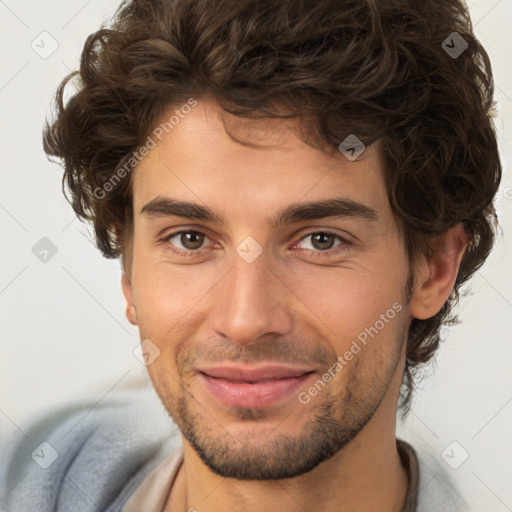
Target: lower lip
x,y
258,394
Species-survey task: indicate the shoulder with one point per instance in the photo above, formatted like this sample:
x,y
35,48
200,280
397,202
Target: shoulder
x,y
437,492
85,456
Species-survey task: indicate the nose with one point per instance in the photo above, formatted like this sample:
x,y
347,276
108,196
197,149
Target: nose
x,y
252,301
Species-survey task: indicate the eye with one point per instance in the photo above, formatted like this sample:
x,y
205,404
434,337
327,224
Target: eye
x,y
190,240
323,242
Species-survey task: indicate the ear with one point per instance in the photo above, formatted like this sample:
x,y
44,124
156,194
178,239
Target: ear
x,y
436,276
130,312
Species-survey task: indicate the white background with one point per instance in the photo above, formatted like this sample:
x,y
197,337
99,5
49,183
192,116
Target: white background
x,y
63,330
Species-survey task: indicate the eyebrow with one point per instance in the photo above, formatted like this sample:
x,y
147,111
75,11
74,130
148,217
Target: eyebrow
x,y
295,212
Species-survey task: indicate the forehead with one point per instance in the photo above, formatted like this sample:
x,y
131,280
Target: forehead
x,y
198,160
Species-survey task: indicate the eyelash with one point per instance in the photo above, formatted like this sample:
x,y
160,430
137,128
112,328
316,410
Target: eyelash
x,y
345,244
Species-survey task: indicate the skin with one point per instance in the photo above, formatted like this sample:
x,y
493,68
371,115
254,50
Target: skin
x,y
297,302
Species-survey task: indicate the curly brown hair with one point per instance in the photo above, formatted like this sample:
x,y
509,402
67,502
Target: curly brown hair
x,y
379,69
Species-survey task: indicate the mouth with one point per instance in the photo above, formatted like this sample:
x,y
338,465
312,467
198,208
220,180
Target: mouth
x,y
253,387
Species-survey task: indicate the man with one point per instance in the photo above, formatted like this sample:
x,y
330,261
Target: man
x,y
297,191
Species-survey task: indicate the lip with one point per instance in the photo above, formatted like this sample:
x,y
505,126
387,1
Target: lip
x,y
253,374
253,387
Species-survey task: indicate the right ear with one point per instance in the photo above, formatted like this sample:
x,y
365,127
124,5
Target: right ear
x,y
130,312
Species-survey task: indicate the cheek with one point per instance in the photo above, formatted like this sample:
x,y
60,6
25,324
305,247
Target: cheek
x,y
164,293
343,302
172,305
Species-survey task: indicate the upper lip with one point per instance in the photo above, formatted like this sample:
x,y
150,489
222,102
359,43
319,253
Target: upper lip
x,y
240,373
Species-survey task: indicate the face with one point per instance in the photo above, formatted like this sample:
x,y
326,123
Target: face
x,y
287,261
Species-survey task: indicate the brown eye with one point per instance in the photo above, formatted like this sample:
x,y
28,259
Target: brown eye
x,y
324,244
191,240
188,240
322,241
